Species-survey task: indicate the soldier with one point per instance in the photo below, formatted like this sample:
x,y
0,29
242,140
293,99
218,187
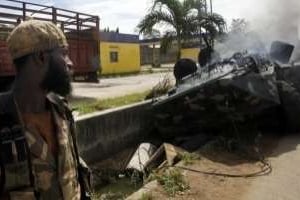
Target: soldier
x,y
38,153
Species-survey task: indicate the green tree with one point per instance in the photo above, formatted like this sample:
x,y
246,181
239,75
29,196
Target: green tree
x,y
182,21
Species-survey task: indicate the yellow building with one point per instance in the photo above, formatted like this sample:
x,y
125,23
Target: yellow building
x,y
191,53
119,53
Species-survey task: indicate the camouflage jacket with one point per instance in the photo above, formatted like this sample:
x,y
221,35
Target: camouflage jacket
x,y
39,175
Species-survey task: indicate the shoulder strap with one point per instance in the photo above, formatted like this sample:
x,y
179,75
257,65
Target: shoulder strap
x,y
7,104
4,109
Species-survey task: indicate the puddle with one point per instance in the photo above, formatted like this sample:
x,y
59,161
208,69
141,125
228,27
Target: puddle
x,y
118,187
118,190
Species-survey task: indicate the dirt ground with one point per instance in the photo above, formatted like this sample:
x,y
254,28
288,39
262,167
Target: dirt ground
x,y
284,181
283,153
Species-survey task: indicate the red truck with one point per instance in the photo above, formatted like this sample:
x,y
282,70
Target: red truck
x,y
81,30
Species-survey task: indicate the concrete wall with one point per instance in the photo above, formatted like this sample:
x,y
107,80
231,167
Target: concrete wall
x,y
104,134
147,55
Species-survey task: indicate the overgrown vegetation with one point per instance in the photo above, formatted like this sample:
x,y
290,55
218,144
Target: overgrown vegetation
x,y
172,181
189,158
89,106
161,88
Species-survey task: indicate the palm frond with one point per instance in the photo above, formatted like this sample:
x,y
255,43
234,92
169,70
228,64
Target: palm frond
x,y
198,5
173,7
150,20
187,17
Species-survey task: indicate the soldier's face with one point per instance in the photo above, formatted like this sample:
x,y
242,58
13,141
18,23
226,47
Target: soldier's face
x,y
58,75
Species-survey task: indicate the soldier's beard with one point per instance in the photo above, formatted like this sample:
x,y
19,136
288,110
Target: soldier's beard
x,y
57,79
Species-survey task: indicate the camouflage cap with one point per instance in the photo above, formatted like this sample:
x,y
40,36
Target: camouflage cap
x,y
33,36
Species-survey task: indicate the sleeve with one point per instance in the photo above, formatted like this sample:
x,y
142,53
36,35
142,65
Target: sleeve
x,y
1,181
85,174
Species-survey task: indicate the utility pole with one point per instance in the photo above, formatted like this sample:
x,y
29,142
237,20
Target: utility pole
x,y
200,31
211,12
206,14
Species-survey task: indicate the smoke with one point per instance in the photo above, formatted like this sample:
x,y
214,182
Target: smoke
x,y
276,20
269,20
249,42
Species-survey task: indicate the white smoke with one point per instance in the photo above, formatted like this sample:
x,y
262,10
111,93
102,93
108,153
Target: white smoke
x,y
276,20
269,20
249,42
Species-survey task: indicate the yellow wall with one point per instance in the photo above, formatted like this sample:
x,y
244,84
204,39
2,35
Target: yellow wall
x,y
128,57
191,53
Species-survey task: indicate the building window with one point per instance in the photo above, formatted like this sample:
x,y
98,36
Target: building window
x,y
113,56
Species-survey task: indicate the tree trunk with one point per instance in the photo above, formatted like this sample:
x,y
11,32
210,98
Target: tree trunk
x,y
179,47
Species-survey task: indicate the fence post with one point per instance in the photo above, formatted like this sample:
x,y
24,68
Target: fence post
x,y
77,22
54,16
24,11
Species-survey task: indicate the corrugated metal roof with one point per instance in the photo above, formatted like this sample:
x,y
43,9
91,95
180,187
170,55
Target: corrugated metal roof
x,y
118,37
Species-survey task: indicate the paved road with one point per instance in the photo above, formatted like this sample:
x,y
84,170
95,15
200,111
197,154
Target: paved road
x,y
114,87
284,181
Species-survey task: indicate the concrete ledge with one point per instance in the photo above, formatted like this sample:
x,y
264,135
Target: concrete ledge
x,y
103,134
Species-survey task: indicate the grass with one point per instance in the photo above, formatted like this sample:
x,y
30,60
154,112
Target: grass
x,y
89,106
147,70
189,158
172,181
121,74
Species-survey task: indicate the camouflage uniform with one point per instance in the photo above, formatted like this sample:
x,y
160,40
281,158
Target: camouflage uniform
x,y
52,178
28,168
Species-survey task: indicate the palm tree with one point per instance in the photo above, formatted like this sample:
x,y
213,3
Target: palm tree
x,y
186,19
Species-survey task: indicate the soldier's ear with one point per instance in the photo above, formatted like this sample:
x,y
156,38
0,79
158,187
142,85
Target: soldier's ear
x,y
38,58
41,58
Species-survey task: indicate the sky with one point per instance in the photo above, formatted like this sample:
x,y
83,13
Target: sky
x,y
126,14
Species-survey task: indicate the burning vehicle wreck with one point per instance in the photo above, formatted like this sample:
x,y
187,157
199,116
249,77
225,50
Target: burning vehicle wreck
x,y
246,93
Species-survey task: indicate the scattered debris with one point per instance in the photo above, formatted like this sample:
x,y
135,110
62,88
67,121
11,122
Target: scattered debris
x,y
166,152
